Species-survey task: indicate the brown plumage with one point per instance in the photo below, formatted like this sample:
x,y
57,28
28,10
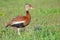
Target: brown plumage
x,y
21,21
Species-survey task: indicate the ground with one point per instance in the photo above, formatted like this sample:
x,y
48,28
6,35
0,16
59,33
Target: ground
x,y
44,24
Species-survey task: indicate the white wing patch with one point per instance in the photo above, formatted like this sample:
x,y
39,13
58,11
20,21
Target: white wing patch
x,y
17,22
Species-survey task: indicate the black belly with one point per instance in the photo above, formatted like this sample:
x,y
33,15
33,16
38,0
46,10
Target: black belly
x,y
20,25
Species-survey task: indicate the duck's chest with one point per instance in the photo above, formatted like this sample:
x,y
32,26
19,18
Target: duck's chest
x,y
27,21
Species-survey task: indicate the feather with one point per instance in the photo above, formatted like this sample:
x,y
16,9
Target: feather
x,y
17,22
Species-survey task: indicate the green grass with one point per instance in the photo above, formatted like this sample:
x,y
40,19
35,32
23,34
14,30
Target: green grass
x,y
45,20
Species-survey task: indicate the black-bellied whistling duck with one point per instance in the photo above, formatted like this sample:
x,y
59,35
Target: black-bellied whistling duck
x,y
21,21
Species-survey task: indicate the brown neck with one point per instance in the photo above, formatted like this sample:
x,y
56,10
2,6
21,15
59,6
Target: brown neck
x,y
28,14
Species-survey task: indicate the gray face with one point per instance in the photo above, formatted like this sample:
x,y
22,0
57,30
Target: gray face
x,y
27,7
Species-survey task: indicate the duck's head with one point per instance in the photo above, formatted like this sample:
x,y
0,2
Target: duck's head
x,y
28,6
